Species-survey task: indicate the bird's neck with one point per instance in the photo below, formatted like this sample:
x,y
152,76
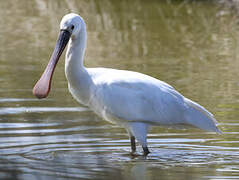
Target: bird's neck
x,y
79,80
76,51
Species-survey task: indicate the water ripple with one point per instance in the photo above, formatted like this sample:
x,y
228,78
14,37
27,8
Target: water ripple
x,y
20,110
4,100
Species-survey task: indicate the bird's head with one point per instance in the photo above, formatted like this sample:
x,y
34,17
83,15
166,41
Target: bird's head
x,y
73,23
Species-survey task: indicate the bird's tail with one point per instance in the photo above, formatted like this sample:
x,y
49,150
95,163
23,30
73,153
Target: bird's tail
x,y
199,117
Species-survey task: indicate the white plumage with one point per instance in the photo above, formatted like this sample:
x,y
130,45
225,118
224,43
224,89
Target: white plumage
x,y
132,100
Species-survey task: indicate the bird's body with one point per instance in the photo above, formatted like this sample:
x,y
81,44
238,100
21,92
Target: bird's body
x,y
130,99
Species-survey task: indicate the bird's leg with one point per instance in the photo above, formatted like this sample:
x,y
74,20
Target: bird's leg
x,y
132,142
146,150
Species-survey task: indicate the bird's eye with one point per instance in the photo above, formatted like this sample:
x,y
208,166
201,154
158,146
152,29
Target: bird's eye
x,y
72,27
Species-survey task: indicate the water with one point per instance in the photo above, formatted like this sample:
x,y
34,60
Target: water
x,y
192,45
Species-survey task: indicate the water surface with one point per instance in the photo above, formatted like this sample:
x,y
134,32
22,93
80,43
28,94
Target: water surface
x,y
192,45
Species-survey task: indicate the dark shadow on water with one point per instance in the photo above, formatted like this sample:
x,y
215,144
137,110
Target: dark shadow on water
x,y
59,168
8,171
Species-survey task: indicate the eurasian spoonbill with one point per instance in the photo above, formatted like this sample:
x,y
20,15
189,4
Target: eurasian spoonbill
x,y
132,100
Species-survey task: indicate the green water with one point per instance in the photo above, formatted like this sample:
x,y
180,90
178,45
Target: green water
x,y
192,45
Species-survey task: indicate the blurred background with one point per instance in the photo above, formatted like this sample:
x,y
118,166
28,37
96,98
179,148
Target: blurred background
x,y
190,44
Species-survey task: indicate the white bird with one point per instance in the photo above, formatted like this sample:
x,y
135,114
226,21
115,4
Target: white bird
x,y
130,99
